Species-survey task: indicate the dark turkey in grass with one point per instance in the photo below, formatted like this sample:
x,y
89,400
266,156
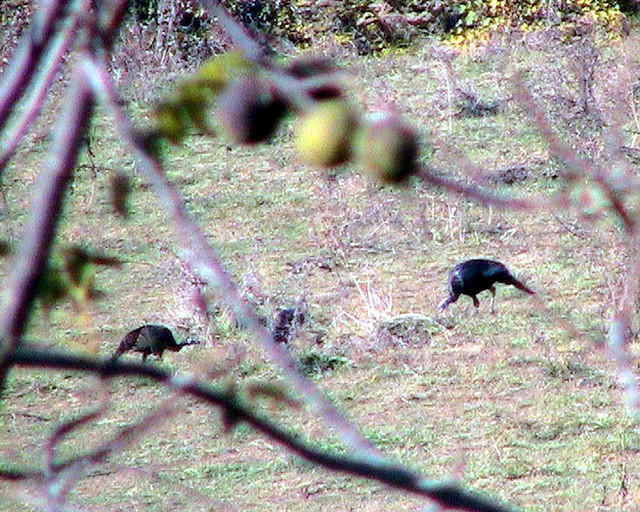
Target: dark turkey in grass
x,y
474,276
286,322
150,339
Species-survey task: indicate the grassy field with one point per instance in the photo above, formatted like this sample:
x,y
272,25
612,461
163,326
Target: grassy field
x,y
513,404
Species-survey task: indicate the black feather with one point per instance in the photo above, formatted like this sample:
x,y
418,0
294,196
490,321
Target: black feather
x,y
285,323
150,339
474,276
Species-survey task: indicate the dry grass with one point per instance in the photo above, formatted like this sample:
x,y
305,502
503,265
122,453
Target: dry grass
x,y
511,404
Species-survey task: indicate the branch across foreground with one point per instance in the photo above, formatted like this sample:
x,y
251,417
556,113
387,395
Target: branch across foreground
x,y
19,288
446,494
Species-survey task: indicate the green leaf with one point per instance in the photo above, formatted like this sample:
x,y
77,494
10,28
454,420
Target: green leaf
x,y
470,18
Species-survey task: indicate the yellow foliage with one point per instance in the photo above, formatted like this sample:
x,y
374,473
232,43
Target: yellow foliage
x,y
482,19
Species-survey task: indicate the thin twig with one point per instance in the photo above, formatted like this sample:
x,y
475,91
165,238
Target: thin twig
x,y
62,476
580,168
18,475
618,343
67,427
20,286
238,32
561,150
428,175
57,486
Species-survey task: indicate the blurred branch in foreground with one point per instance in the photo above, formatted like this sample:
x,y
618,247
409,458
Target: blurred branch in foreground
x,y
446,494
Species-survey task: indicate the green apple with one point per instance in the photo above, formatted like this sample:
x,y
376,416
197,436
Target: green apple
x,y
387,147
324,134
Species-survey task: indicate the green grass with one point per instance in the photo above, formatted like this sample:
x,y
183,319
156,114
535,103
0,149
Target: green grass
x,y
511,403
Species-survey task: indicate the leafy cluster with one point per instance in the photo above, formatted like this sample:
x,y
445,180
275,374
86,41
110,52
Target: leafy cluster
x,y
372,26
182,27
477,19
69,275
279,18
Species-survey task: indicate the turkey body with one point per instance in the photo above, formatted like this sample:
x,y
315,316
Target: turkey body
x,y
149,339
474,276
285,323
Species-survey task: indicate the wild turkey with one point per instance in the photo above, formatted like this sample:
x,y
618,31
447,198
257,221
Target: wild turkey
x,y
473,276
285,323
150,339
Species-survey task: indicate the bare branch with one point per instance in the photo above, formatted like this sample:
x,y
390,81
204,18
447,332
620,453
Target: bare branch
x,y
59,47
28,55
65,474
561,150
17,475
618,342
238,33
446,494
579,167
616,200
57,493
20,285
203,259
68,427
617,346
111,21
124,437
428,175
